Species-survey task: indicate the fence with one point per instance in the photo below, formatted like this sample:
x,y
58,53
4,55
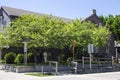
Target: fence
x,y
94,64
77,66
53,67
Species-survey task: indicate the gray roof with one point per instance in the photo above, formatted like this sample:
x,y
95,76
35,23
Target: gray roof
x,y
19,12
94,18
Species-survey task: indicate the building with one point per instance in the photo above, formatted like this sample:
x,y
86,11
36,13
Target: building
x,y
8,14
109,49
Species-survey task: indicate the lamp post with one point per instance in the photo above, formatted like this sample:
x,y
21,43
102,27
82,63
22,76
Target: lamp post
x,y
25,41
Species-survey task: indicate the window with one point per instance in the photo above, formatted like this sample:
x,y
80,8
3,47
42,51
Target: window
x,y
1,26
0,21
100,24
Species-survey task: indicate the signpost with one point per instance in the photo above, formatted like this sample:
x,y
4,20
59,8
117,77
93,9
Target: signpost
x,y
90,51
25,53
116,45
25,41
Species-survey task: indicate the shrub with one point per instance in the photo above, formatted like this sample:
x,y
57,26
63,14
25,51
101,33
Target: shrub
x,y
30,57
2,61
19,59
9,58
69,59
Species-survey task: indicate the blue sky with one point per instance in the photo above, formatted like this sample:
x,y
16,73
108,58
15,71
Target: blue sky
x,y
67,8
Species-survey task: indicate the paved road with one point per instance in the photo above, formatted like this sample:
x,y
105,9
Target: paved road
x,y
98,76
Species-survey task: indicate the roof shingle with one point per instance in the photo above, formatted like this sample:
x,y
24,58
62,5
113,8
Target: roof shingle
x,y
19,12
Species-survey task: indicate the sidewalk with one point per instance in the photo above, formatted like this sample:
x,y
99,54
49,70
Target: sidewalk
x,y
98,76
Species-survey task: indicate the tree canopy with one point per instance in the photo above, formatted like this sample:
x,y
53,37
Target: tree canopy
x,y
48,31
4,40
113,24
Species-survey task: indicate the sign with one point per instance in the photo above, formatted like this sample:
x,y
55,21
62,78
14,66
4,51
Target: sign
x,y
25,47
90,48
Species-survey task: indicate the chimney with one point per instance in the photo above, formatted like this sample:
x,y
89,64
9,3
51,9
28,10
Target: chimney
x,y
94,11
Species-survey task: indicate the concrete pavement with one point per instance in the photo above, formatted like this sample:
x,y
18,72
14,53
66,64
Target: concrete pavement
x,y
98,76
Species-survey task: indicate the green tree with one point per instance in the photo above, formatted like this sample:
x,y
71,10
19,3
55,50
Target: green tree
x,y
115,27
30,57
4,40
43,31
100,36
51,32
112,23
9,58
19,59
85,32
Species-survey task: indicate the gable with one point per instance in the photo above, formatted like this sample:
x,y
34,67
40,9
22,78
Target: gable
x,y
94,19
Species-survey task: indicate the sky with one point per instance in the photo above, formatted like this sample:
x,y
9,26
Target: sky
x,y
67,8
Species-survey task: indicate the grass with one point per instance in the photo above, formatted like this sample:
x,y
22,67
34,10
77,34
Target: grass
x,y
39,74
